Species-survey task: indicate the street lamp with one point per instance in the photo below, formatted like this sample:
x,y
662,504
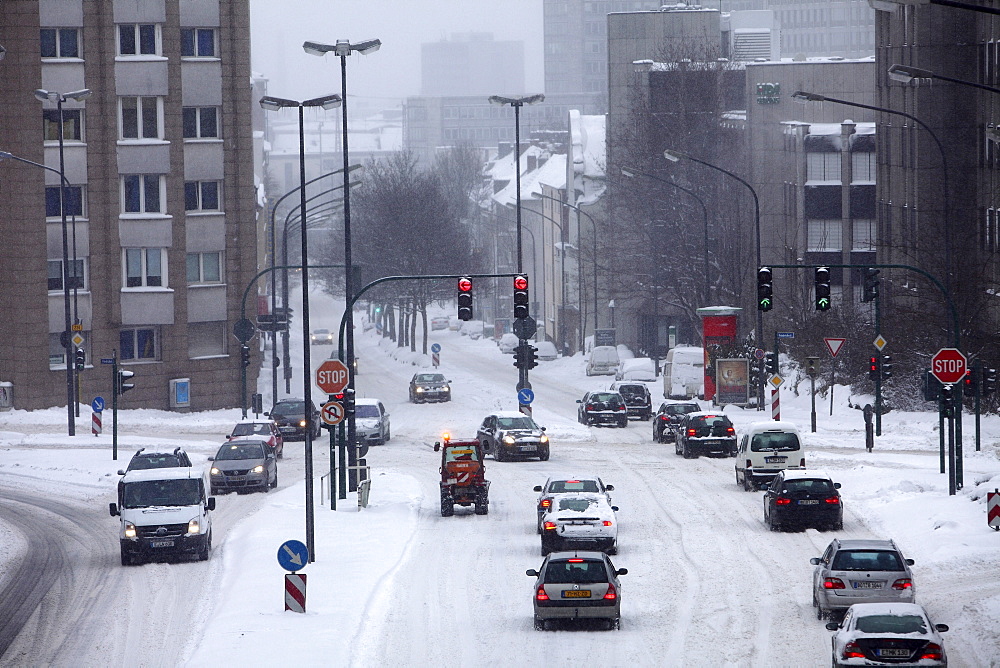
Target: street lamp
x,y
906,74
273,104
893,5
517,103
342,49
675,156
630,172
562,271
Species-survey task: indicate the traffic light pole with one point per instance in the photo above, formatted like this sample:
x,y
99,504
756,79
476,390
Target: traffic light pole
x,y
114,405
878,379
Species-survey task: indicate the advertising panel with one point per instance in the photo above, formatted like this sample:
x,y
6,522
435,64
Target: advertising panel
x,y
733,385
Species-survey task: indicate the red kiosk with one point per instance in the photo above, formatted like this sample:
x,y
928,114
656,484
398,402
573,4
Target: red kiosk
x,y
719,327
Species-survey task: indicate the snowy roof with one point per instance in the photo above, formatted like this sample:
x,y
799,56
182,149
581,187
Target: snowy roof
x,y
586,174
552,173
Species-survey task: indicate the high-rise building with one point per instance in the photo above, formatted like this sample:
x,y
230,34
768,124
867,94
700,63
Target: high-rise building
x,y
471,64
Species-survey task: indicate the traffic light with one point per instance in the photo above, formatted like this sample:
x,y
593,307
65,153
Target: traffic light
x,y
348,402
812,366
531,358
121,382
873,368
520,296
245,355
465,298
765,289
931,387
80,357
822,286
886,366
771,363
947,398
989,381
870,292
518,356
257,403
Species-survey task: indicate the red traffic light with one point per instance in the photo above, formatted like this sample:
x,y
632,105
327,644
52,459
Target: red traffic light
x,y
521,282
464,285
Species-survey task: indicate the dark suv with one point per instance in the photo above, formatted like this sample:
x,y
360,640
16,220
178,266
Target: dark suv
x,y
705,434
602,408
638,403
669,417
290,416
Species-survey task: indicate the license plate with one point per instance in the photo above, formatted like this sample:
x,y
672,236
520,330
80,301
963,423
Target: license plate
x,y
775,460
893,652
809,502
237,478
287,430
576,593
526,448
867,585
161,543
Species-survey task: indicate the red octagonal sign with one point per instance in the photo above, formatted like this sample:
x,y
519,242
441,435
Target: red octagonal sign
x,y
331,376
948,365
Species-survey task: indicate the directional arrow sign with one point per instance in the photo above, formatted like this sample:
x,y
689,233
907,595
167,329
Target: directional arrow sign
x,y
293,555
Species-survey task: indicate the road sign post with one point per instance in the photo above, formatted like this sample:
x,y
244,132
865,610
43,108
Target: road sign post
x,y
949,365
332,376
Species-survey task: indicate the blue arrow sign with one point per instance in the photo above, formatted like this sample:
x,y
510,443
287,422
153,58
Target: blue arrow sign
x,y
525,396
293,555
97,405
436,348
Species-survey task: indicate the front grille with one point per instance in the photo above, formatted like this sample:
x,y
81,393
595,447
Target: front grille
x,y
168,531
237,472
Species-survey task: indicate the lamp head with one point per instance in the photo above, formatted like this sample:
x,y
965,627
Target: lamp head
x,y
906,74
42,95
673,156
316,48
4,155
500,100
327,102
803,97
627,172
532,99
271,103
367,46
78,95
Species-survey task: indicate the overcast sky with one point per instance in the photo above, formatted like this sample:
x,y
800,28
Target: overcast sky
x,y
279,27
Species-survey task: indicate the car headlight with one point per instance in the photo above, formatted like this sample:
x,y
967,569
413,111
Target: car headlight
x,y
302,423
446,388
257,469
420,389
215,471
129,530
543,439
194,526
509,440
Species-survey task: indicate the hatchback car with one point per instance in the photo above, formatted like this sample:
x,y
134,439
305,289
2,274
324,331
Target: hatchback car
x,y
803,498
638,402
321,337
564,484
705,433
668,418
263,429
371,422
291,418
577,586
429,387
602,407
860,571
887,634
582,520
245,465
510,434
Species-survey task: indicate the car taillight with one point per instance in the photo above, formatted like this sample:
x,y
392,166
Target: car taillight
x,y
665,418
692,432
540,595
549,526
545,503
590,407
782,501
833,500
730,430
611,594
852,651
932,651
833,583
607,523
575,561
902,583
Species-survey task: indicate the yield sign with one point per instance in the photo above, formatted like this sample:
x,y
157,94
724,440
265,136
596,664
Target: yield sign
x,y
834,345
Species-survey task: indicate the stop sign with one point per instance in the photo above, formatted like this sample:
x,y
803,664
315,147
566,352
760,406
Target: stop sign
x,y
331,376
948,365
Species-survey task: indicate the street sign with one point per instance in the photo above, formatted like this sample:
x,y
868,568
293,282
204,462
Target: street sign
x,y
880,342
332,412
525,395
834,345
786,335
77,327
776,380
97,405
332,377
107,360
244,330
525,328
759,354
993,509
948,365
77,339
293,555
436,348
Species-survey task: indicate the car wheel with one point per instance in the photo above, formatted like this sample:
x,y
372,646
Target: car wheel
x,y
613,550
380,441
203,553
499,455
623,422
274,485
747,484
126,558
771,524
544,455
388,434
539,624
447,505
677,447
685,452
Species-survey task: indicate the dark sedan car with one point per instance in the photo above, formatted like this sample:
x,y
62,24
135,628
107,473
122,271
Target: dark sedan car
x,y
803,498
602,408
705,434
509,434
290,416
668,419
429,387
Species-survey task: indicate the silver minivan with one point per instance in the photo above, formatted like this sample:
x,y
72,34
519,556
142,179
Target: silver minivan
x,y
766,448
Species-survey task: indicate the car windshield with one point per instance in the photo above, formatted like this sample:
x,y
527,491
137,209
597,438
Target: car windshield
x,y
867,560
516,423
819,485
321,331
252,429
711,421
576,503
241,451
289,408
679,409
154,462
146,493
460,454
891,624
560,486
429,378
575,572
779,440
366,411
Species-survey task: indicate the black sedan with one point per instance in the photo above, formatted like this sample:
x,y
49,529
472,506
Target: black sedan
x,y
291,418
802,498
509,434
602,408
429,387
669,417
705,434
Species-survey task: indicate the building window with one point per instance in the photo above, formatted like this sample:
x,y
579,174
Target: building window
x,y
201,122
145,267
824,235
139,118
204,268
60,42
823,166
72,124
76,280
138,344
206,339
141,193
863,166
139,39
202,195
864,234
53,201
198,42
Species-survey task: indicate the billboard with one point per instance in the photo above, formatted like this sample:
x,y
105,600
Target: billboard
x,y
733,381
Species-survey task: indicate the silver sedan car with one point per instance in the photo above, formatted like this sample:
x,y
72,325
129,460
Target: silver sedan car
x,y
860,571
577,586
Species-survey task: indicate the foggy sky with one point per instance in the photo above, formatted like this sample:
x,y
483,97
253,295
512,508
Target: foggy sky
x,y
279,27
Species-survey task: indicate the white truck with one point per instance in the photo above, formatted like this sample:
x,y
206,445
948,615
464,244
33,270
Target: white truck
x,y
684,372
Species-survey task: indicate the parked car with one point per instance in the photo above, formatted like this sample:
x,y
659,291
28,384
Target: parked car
x,y
429,387
603,361
263,429
507,343
602,407
577,586
155,459
244,465
636,368
860,571
371,422
705,433
291,417
803,498
668,418
638,402
887,634
557,485
321,337
510,434
440,322
580,520
766,448
546,351
472,329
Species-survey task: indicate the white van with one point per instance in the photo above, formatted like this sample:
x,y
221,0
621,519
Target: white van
x,y
164,512
766,448
684,373
603,361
